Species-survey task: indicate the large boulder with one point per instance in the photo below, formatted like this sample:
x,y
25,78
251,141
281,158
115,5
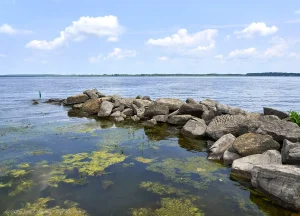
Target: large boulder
x,y
156,109
208,115
139,111
91,106
190,101
142,103
146,98
150,123
179,119
223,109
210,104
193,109
220,146
280,183
194,128
55,101
91,93
278,113
172,103
242,167
229,157
250,143
76,99
105,109
161,118
290,152
128,112
127,102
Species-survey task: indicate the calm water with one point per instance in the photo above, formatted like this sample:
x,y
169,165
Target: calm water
x,y
124,169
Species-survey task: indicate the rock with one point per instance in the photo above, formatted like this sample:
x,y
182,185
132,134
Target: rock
x,y
139,111
223,109
161,118
92,94
127,102
107,98
242,167
280,183
128,112
280,130
116,114
118,118
150,123
35,102
220,146
100,95
278,113
119,108
194,128
115,98
142,103
225,124
250,143
91,106
172,103
193,109
146,98
77,106
208,115
55,101
209,144
156,109
290,152
229,157
179,119
76,99
210,104
139,97
135,118
105,109
176,112
190,101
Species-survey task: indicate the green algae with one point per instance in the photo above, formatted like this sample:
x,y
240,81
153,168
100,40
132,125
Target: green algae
x,y
162,189
21,187
107,184
40,152
18,173
23,165
180,170
40,208
170,207
144,160
6,185
127,165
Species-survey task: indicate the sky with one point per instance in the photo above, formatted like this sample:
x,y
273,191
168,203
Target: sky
x,y
149,36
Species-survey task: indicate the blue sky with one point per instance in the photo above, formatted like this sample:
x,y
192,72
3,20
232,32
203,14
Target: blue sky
x,y
148,36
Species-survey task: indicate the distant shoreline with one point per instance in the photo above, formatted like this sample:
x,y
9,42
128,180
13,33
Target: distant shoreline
x,y
273,74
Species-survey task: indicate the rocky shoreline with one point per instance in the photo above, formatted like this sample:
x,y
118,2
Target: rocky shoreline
x,y
263,149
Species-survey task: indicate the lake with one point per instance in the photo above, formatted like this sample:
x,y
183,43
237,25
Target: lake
x,y
85,166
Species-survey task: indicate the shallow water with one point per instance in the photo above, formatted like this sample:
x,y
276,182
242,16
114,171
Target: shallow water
x,y
123,169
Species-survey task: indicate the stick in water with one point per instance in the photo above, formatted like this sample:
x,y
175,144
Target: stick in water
x,y
40,93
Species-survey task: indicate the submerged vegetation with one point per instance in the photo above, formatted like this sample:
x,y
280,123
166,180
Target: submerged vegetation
x,y
144,160
162,189
295,117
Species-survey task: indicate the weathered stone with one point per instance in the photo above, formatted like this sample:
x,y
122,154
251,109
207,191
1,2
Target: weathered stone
x,y
194,128
176,112
91,93
220,146
118,118
161,118
116,114
106,98
172,103
119,108
208,115
242,167
229,157
91,106
223,109
127,102
209,143
156,109
115,97
210,104
193,109
100,95
35,102
105,109
76,99
250,143
142,103
139,97
280,130
179,119
55,101
290,152
135,118
150,123
280,183
278,113
146,98
139,111
77,106
190,101
128,112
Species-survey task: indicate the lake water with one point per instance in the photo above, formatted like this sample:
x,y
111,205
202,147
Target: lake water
x,y
95,167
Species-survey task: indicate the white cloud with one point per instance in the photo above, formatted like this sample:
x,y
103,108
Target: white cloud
x,y
255,29
278,48
297,12
242,53
163,58
7,29
117,54
2,55
107,26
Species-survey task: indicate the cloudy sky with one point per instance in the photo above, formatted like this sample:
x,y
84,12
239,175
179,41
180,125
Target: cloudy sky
x,y
149,36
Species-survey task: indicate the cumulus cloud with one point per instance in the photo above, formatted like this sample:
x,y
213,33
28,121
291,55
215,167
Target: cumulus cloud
x,y
278,48
163,58
256,29
117,54
242,53
106,26
7,29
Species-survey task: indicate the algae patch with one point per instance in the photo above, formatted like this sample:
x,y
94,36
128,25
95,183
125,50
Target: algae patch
x,y
107,184
144,160
162,189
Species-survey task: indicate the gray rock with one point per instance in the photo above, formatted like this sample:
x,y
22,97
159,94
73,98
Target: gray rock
x,y
156,109
242,167
142,103
127,102
135,118
116,114
105,109
193,109
176,112
209,143
250,143
229,157
76,99
77,106
128,112
91,106
220,146
55,101
146,98
118,118
210,104
115,97
172,103
161,118
194,128
139,97
91,93
280,183
278,113
35,102
190,101
150,123
100,95
223,109
119,108
290,152
139,111
106,98
179,119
